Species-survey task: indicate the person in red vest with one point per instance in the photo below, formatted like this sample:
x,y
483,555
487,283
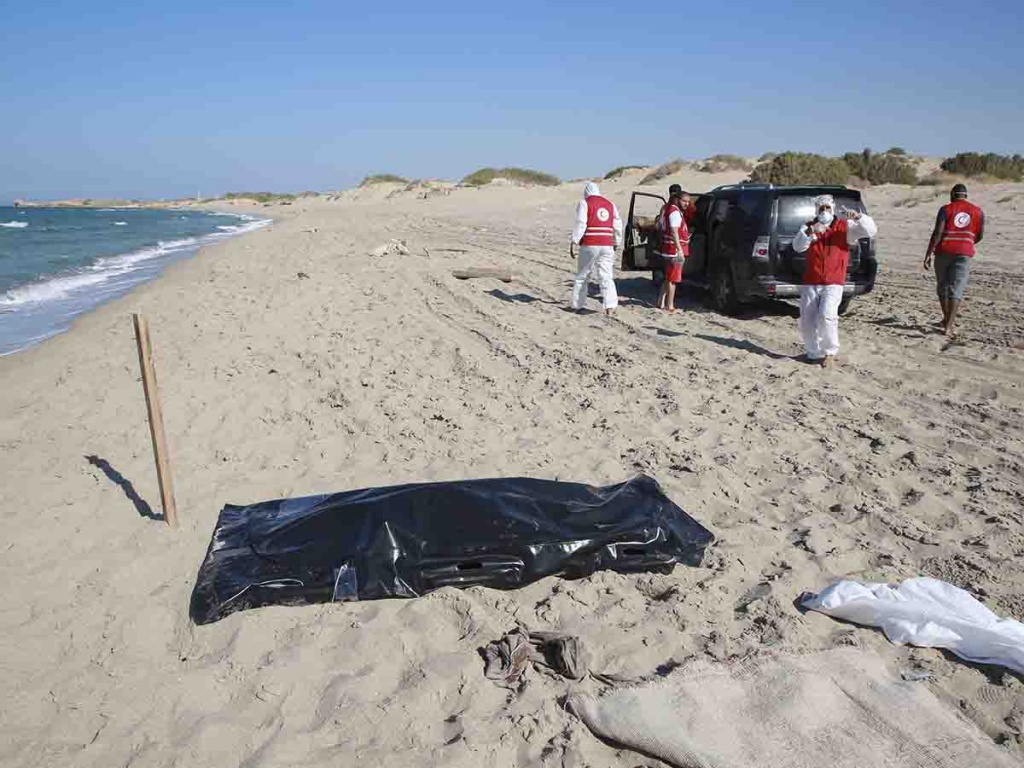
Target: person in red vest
x,y
598,232
689,208
958,228
826,241
674,247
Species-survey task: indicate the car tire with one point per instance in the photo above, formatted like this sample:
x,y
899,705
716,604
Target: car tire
x,y
845,304
723,291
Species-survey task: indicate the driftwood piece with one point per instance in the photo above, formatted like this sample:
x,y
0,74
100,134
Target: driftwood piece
x,y
497,273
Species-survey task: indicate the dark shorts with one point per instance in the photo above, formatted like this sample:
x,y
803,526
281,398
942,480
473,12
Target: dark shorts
x,y
951,274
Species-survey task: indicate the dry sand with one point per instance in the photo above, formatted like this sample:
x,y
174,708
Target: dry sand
x,y
907,460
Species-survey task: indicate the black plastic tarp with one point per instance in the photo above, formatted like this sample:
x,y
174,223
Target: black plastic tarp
x,y
404,541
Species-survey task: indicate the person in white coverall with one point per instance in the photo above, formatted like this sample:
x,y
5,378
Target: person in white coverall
x,y
826,240
598,232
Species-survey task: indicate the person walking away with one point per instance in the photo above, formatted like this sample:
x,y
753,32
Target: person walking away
x,y
959,227
674,247
826,241
598,233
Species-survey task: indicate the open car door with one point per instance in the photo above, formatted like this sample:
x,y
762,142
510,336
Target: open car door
x,y
640,237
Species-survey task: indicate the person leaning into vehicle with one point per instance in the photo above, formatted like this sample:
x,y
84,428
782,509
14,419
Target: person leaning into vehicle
x,y
689,208
958,228
675,245
827,241
598,232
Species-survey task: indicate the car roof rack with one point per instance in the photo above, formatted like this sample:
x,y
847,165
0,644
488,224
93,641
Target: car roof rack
x,y
744,185
824,187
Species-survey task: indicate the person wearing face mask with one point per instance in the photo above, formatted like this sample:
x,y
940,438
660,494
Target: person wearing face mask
x,y
598,232
826,241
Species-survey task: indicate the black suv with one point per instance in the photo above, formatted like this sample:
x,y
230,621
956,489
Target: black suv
x,y
741,242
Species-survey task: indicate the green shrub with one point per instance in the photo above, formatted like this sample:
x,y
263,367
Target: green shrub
x,y
801,168
260,197
767,157
519,175
722,163
663,171
896,151
614,173
886,168
382,178
977,164
892,169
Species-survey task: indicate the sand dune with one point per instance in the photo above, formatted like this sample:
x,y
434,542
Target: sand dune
x,y
907,460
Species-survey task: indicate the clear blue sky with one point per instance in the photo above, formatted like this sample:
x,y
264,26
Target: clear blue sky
x,y
162,99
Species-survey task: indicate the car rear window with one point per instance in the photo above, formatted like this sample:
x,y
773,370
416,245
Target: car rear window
x,y
795,210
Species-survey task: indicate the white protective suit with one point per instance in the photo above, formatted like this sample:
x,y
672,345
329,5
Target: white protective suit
x,y
819,304
599,258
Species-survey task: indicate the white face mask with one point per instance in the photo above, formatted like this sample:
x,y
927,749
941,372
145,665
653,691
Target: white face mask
x,y
826,217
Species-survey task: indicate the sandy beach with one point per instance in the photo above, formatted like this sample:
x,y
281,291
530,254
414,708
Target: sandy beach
x,y
292,361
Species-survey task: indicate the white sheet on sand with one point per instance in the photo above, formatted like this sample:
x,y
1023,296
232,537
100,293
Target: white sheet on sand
x,y
837,709
928,613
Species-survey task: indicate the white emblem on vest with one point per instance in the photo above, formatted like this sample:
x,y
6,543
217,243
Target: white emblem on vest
x,y
961,220
602,214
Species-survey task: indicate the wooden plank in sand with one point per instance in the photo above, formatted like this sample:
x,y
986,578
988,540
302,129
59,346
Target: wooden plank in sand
x,y
156,420
498,273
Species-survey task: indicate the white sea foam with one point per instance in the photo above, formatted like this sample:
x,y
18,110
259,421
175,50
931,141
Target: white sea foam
x,y
115,269
55,288
14,224
120,223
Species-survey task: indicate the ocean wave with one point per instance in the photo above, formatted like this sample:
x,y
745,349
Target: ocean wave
x,y
118,268
14,224
120,223
55,288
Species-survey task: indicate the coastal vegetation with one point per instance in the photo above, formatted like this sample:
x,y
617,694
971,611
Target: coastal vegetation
x,y
891,167
1010,168
382,178
524,176
723,163
614,173
801,168
663,171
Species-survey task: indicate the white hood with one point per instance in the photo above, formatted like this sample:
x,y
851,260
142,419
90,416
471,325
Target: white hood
x,y
591,190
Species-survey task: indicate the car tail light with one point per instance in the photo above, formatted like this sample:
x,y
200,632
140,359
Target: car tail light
x,y
771,289
761,248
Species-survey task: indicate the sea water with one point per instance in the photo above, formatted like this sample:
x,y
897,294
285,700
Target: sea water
x,y
56,263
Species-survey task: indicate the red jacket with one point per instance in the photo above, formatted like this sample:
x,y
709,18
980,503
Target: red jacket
x,y
600,220
963,222
828,256
668,245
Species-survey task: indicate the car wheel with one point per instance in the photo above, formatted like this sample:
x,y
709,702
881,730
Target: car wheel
x,y
723,291
845,305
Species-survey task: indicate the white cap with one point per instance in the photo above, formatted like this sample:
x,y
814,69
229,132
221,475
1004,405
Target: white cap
x,y
821,200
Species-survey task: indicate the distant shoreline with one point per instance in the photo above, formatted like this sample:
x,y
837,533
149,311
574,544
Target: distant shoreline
x,y
90,203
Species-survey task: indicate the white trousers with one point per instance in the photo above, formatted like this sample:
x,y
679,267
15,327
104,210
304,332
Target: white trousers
x,y
599,258
819,319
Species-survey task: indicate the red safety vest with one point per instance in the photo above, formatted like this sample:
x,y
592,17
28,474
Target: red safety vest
x,y
963,222
828,257
668,245
600,221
